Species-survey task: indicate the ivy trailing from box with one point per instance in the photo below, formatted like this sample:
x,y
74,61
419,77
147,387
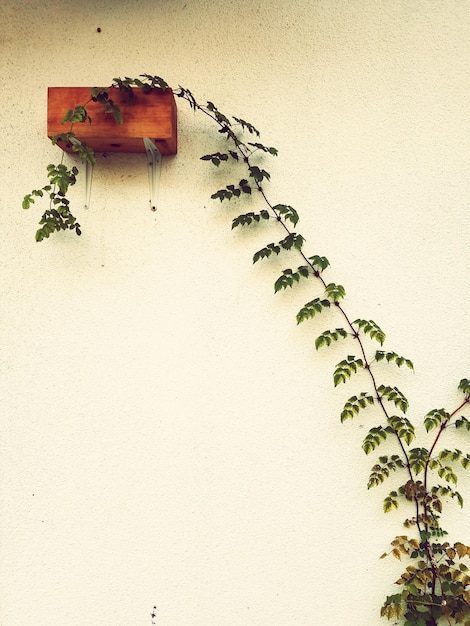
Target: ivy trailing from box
x,y
434,587
60,178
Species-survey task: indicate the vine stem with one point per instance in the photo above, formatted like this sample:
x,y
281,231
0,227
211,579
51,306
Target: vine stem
x,y
443,426
354,333
316,273
367,366
246,153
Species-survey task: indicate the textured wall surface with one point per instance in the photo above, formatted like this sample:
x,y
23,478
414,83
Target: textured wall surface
x,y
170,437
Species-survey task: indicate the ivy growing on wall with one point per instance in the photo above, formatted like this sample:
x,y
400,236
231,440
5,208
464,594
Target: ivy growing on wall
x,y
434,587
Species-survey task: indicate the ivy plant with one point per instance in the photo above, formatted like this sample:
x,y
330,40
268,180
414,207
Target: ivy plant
x,y
434,587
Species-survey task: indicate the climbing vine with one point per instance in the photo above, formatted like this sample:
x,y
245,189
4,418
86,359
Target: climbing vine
x,y
434,587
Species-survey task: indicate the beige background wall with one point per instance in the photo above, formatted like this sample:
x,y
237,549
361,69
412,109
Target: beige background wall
x,y
170,437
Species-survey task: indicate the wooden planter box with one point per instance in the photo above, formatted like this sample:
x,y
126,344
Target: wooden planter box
x,y
151,115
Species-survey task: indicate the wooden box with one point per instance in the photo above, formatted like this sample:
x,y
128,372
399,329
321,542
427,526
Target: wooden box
x,y
151,115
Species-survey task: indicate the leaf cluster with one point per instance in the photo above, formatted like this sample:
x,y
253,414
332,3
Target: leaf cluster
x,y
434,586
247,126
369,327
430,590
328,336
85,153
216,158
58,216
312,308
287,212
249,218
464,386
148,83
232,191
345,368
393,394
78,114
335,292
391,357
109,106
355,404
289,277
260,146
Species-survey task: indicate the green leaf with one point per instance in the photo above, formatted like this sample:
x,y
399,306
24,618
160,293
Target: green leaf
x,y
380,471
249,218
335,292
464,386
156,82
64,137
109,106
181,92
260,146
390,502
220,117
393,357
448,474
28,200
123,84
258,174
310,309
403,428
346,368
392,607
319,262
62,177
56,219
244,186
215,158
67,117
446,491
288,212
288,278
117,113
222,194
392,394
226,130
418,458
246,126
293,240
454,456
328,336
355,404
78,114
462,422
99,94
84,152
141,85
266,252
231,190
450,455
374,438
372,329
435,418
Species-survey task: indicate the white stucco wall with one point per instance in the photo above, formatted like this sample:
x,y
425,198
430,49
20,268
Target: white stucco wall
x,y
170,437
